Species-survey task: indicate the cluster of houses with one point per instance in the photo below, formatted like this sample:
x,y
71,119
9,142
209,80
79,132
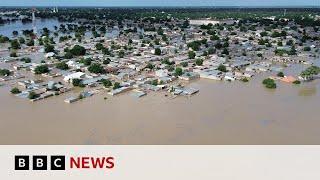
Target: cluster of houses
x,y
156,61
40,89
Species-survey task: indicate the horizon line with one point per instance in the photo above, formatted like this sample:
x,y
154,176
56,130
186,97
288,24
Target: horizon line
x,y
191,6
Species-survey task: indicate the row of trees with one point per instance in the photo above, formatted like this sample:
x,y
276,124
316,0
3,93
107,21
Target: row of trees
x,y
310,72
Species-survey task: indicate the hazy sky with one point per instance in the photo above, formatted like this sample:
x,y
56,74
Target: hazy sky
x,y
159,2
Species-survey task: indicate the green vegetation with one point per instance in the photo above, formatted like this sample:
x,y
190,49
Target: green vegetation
x,y
4,72
225,51
4,39
96,68
99,46
26,60
269,83
106,61
211,50
195,45
106,83
33,95
157,51
78,50
116,85
121,53
310,72
41,69
77,82
280,74
13,54
15,44
184,64
30,42
222,68
15,90
191,55
245,79
86,62
178,71
199,62
155,82
68,55
150,66
48,48
296,82
307,48
167,61
22,40
62,66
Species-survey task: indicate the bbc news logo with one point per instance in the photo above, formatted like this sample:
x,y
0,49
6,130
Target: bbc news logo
x,y
39,162
43,162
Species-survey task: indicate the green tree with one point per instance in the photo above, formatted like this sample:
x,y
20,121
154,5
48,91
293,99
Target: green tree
x,y
78,50
3,39
4,72
307,48
86,62
184,64
99,46
296,82
62,66
157,51
15,90
41,69
199,62
48,48
15,44
106,83
178,71
22,40
68,55
225,51
269,83
211,50
280,74
26,59
15,33
150,66
33,95
121,54
77,82
116,85
96,68
30,42
310,72
222,68
155,82
106,61
191,55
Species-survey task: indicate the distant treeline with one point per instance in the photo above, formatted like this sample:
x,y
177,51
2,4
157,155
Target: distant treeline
x,y
304,16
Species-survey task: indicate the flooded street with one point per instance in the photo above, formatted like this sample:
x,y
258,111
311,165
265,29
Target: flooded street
x,y
221,113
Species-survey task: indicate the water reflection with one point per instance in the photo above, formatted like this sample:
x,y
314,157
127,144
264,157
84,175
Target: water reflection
x,y
7,29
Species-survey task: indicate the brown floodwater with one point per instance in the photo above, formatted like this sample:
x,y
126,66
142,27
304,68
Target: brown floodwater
x,y
221,113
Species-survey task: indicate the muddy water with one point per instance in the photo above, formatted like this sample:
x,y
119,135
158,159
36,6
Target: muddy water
x,y
7,29
222,113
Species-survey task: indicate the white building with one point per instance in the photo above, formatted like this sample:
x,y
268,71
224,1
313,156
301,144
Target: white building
x,y
77,75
